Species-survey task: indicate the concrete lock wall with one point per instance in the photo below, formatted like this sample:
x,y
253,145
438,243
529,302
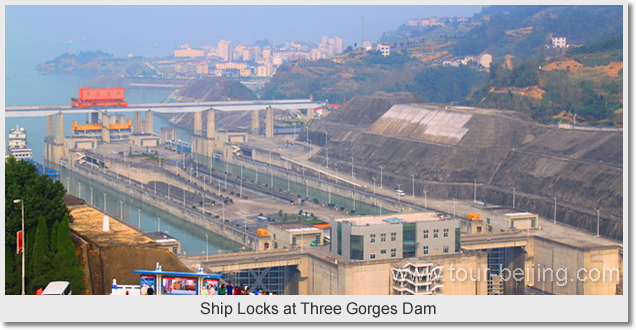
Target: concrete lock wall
x,y
562,269
327,276
341,188
149,174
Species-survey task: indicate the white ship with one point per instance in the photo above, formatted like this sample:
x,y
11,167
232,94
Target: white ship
x,y
18,144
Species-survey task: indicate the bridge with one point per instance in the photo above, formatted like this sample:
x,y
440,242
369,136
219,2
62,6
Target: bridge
x,y
225,106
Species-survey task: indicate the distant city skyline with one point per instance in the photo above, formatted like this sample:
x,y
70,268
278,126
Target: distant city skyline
x,y
158,30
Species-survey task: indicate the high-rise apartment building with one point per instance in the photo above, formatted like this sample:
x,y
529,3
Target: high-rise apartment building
x,y
225,50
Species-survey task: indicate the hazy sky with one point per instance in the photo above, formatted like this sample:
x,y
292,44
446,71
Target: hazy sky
x,y
156,30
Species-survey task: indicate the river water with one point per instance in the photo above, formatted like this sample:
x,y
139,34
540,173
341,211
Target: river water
x,y
24,86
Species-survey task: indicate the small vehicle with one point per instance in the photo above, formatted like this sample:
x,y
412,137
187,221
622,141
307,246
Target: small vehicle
x,y
399,192
57,288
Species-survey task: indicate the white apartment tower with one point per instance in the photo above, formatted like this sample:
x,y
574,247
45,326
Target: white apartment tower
x,y
225,50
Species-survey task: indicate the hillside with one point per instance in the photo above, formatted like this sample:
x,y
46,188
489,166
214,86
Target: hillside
x,y
520,31
587,83
212,89
527,74
446,148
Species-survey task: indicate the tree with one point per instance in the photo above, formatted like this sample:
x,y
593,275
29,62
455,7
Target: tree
x,y
44,209
65,263
53,240
41,257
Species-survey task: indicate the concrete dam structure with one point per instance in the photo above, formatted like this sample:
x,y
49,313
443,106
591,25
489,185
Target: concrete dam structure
x,y
495,156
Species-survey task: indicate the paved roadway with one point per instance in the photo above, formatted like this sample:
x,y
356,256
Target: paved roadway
x,y
226,106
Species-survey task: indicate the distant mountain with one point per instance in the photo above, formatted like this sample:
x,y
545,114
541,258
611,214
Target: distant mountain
x,y
84,62
527,74
520,31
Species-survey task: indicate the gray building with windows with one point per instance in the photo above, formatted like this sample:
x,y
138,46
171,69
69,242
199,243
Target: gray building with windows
x,y
394,236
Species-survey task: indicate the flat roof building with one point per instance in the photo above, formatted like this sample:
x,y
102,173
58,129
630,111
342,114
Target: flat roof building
x,y
394,236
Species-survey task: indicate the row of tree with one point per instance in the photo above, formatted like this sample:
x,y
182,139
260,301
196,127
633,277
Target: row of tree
x,y
50,252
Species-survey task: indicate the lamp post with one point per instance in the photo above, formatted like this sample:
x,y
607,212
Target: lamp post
x,y
598,222
203,203
514,190
15,201
373,186
454,206
555,205
79,189
400,198
352,168
475,191
139,218
207,253
380,176
91,195
158,224
121,210
104,202
425,208
413,187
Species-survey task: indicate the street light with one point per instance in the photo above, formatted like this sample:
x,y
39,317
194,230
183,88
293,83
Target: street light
x,y
425,208
79,189
158,224
399,197
15,201
207,253
555,205
373,186
121,210
352,168
413,187
454,206
475,191
513,197
104,202
381,176
139,218
92,196
598,222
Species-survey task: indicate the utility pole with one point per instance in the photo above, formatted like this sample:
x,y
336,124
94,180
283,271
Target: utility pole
x,y
413,187
555,206
454,207
380,176
425,208
598,222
